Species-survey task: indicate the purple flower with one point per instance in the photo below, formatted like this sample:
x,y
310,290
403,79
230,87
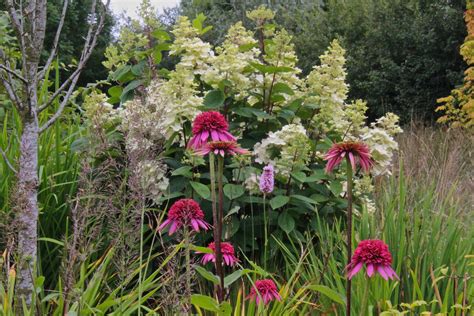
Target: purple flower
x,y
267,180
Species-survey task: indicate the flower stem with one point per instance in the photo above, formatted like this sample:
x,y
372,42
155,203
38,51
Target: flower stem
x,y
265,232
220,212
365,298
217,226
349,233
187,245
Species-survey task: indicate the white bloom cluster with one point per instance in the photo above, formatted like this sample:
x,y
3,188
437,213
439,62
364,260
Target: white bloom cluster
x,y
195,54
326,88
379,138
286,149
233,58
152,174
98,111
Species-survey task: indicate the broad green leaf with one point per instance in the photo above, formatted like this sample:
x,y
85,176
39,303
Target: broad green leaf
x,y
286,222
281,87
201,189
115,91
336,188
333,295
279,201
131,86
233,191
300,176
184,171
205,302
214,99
207,274
161,35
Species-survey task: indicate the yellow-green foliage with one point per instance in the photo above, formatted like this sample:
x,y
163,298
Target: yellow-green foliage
x,y
459,106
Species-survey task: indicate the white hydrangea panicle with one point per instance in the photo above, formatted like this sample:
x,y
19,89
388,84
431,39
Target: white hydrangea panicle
x,y
196,55
287,149
99,113
355,118
232,60
152,175
380,139
327,89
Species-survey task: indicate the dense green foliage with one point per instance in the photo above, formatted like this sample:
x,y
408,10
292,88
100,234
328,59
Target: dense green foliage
x,y
402,55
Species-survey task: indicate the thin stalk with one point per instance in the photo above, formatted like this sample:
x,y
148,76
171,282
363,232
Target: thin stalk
x,y
220,185
349,233
187,245
140,286
215,219
265,224
365,298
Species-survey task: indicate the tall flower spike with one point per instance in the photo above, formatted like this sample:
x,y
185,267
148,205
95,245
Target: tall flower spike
x,y
357,152
185,212
209,126
265,290
228,254
221,148
375,255
267,180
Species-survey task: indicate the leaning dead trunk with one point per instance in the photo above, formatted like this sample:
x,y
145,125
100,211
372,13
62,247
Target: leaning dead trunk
x,y
27,207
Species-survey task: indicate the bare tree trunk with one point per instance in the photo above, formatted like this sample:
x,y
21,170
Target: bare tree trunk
x,y
27,216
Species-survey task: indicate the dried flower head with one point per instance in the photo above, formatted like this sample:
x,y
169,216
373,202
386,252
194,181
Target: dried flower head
x,y
228,254
264,290
267,180
209,126
185,212
375,255
221,148
354,151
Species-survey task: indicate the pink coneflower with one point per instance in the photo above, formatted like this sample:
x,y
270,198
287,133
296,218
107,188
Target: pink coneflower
x,y
355,151
265,290
228,254
185,212
209,126
375,255
267,180
221,148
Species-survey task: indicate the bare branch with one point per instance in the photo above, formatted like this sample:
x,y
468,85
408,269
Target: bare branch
x,y
90,42
7,161
7,69
54,48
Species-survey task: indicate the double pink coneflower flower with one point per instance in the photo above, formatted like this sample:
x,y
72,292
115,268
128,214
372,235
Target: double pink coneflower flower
x,y
264,291
374,254
185,212
228,254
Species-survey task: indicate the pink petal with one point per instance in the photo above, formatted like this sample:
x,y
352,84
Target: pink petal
x,y
174,227
195,225
204,135
214,135
354,270
382,272
370,270
352,160
165,223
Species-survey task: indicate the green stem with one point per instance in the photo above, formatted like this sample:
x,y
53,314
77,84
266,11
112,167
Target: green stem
x,y
140,287
349,232
220,213
265,224
187,245
365,298
215,219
